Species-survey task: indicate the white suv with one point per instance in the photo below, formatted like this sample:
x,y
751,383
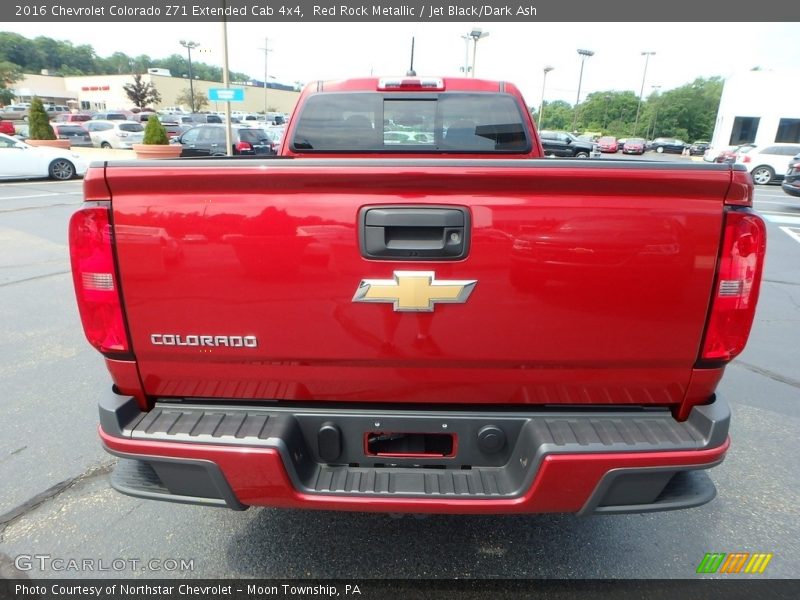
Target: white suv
x,y
115,134
767,163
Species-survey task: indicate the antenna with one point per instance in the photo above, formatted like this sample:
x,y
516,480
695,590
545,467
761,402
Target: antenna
x,y
411,72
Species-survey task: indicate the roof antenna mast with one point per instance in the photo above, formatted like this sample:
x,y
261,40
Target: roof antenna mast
x,y
411,72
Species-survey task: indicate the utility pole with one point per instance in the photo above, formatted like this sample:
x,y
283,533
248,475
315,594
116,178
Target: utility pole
x,y
189,46
466,68
476,34
641,92
547,69
584,55
266,50
226,82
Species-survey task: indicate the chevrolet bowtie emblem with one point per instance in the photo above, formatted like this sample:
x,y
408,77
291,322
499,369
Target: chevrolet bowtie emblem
x,y
414,291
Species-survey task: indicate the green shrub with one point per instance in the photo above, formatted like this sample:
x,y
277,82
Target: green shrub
x,y
39,122
154,132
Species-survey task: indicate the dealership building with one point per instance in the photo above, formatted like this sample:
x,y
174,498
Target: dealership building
x,y
106,92
758,107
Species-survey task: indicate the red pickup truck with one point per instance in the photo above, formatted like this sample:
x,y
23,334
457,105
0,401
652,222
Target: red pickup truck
x,y
410,310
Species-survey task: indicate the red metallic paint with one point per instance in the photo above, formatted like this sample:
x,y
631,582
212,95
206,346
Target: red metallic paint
x,y
564,483
125,376
701,386
596,279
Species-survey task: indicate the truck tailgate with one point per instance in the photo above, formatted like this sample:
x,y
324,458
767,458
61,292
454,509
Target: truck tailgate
x,y
593,280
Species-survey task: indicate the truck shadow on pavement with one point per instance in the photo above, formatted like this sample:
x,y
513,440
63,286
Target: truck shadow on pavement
x,y
311,544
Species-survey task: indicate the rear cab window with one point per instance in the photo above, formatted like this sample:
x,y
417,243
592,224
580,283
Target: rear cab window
x,y
411,123
253,135
71,129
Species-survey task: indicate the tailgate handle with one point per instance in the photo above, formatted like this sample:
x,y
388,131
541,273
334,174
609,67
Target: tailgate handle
x,y
414,233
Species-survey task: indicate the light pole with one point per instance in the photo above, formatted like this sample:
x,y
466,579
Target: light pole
x,y
266,50
476,34
226,80
584,55
466,68
546,70
641,92
189,47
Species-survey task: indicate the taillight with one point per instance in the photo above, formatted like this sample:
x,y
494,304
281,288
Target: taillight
x,y
243,147
737,285
95,280
745,159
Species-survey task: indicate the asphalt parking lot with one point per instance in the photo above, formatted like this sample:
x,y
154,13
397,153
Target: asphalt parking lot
x,y
55,499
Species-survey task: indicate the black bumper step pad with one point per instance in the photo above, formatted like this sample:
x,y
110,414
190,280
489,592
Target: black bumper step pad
x,y
476,471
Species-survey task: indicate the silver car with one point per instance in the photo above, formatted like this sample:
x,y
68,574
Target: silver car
x,y
115,134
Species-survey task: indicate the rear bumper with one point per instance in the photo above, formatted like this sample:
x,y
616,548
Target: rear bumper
x,y
585,462
792,188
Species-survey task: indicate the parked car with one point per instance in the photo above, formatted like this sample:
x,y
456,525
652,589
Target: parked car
x,y
209,140
18,160
634,146
699,148
190,120
275,135
115,134
7,127
768,163
173,110
173,127
22,131
56,109
115,115
608,143
725,155
76,133
672,145
142,116
72,118
791,181
15,112
563,143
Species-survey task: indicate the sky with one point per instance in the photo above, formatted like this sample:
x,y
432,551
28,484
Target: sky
x,y
515,52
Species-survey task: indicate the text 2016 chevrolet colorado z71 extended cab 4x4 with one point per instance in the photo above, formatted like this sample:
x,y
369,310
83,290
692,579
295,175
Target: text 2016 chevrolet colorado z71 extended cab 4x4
x,y
409,311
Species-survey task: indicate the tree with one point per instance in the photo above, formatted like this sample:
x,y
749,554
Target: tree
x,y
64,58
689,112
9,75
141,93
611,112
557,115
185,99
155,133
39,122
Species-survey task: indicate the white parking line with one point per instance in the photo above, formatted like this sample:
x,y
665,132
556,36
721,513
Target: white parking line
x,y
31,196
792,232
13,184
771,202
780,217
